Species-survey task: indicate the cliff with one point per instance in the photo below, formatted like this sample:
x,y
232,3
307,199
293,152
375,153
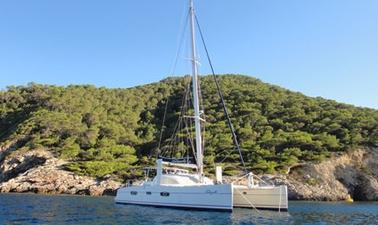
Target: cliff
x,y
354,173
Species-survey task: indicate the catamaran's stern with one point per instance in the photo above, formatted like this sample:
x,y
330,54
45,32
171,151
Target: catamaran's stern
x,y
271,197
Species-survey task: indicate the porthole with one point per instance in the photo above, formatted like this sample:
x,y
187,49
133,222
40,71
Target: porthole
x,y
244,192
148,193
133,192
165,194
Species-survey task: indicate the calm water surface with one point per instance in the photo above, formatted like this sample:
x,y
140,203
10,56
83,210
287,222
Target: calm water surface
x,y
42,209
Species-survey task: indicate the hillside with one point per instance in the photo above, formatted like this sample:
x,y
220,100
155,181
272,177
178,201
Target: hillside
x,y
101,132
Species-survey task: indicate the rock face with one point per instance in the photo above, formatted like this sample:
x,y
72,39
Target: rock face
x,y
38,171
354,173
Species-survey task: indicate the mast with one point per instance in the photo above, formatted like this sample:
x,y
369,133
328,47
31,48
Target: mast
x,y
197,119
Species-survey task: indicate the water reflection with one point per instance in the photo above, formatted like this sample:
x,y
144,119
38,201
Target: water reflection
x,y
251,216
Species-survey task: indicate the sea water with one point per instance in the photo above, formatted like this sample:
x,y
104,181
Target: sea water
x,y
63,209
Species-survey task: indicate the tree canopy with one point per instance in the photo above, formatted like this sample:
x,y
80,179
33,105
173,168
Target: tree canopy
x,y
113,131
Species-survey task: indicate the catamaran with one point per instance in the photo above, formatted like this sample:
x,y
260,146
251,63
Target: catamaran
x,y
175,183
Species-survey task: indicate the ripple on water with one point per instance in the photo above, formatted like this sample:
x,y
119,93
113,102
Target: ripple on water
x,y
43,209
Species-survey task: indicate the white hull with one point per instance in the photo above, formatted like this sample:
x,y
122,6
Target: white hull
x,y
274,197
209,197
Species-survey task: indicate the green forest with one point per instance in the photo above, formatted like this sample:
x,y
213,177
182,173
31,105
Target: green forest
x,y
102,131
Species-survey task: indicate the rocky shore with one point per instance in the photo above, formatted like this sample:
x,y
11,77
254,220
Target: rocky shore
x,y
354,173
39,171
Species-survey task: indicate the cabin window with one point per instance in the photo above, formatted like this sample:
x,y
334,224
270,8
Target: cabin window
x,y
165,194
133,192
244,192
148,193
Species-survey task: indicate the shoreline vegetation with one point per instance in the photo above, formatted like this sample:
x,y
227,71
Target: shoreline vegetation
x,y
81,139
334,179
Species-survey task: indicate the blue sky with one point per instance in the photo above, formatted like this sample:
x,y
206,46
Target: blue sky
x,y
325,48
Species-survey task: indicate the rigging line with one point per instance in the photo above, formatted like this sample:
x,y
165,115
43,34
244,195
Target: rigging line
x,y
177,129
190,139
184,24
180,43
185,111
228,154
221,96
173,137
162,127
189,122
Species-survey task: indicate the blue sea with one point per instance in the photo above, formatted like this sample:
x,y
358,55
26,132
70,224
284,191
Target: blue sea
x,y
63,209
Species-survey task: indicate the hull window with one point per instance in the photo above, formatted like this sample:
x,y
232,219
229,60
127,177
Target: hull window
x,y
133,192
165,194
148,193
